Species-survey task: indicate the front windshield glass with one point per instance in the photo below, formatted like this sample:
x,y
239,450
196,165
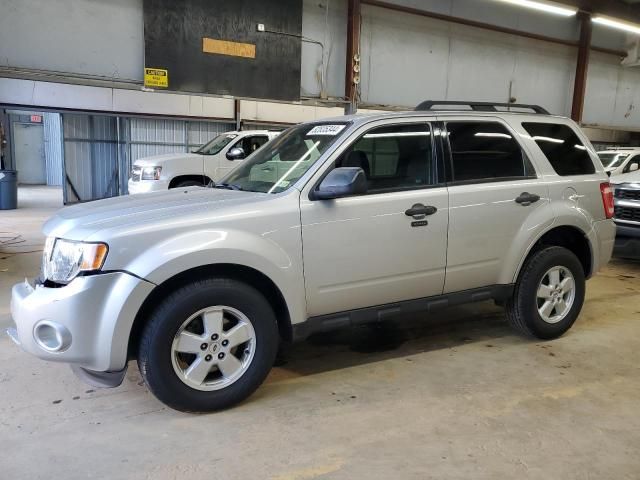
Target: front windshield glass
x,y
281,162
217,144
612,160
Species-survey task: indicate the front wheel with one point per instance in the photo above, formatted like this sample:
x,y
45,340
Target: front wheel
x,y
209,345
548,295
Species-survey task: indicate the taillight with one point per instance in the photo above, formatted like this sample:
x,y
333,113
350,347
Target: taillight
x,y
607,199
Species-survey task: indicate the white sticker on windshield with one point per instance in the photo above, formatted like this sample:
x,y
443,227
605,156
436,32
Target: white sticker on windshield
x,y
326,130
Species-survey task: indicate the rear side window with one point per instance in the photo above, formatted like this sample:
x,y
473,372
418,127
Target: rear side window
x,y
562,147
485,151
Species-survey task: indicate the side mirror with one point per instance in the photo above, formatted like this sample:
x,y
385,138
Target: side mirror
x,y
342,182
633,167
236,153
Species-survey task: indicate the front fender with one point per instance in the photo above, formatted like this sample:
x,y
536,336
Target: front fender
x,y
188,250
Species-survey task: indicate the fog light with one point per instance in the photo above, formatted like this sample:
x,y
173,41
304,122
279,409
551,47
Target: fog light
x,y
52,337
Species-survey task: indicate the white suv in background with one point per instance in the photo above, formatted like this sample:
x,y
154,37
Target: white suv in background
x,y
208,163
619,161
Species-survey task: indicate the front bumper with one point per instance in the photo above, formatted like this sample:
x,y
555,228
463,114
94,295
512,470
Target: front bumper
x,y
90,318
145,186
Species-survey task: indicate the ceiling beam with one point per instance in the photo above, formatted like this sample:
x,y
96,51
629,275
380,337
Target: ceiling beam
x,y
610,8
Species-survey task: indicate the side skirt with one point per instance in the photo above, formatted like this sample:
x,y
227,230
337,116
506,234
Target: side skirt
x,y
350,318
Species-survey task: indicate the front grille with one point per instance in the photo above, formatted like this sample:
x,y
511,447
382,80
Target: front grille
x,y
627,213
625,194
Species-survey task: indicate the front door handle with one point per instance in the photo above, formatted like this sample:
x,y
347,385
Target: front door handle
x,y
525,198
420,210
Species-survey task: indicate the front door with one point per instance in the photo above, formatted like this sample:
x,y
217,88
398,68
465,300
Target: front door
x,y
29,151
372,249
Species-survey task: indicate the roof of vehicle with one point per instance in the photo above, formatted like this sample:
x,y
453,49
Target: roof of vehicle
x,y
253,132
620,150
368,117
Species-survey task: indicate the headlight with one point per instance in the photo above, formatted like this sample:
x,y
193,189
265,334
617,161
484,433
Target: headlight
x,y
151,173
63,260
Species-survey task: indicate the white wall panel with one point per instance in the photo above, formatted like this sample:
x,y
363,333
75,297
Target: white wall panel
x,y
407,59
79,36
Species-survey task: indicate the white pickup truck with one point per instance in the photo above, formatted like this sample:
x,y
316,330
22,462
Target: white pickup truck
x,y
210,162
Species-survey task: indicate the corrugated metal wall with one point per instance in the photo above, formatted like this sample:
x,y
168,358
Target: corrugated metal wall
x,y
90,158
53,148
99,149
157,136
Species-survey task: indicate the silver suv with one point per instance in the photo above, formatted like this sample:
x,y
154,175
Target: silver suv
x,y
333,223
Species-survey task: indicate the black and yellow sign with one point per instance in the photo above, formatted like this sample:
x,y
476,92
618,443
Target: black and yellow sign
x,y
156,77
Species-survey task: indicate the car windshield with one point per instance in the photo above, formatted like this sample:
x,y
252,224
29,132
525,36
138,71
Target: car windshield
x,y
281,162
612,160
215,145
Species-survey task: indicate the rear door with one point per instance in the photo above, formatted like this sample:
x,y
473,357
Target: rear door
x,y
493,192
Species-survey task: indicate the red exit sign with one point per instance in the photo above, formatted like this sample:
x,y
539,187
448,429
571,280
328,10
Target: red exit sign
x,y
36,118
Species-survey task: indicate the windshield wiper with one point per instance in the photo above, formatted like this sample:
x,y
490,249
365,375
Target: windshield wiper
x,y
228,186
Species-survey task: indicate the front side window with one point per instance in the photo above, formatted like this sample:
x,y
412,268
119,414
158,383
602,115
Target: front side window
x,y
612,160
485,151
633,165
562,147
252,143
284,160
398,157
214,146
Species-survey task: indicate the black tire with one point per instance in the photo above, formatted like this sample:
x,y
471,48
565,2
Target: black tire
x,y
155,358
522,309
188,183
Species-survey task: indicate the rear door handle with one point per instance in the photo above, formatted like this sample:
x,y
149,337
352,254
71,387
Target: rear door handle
x,y
420,210
525,199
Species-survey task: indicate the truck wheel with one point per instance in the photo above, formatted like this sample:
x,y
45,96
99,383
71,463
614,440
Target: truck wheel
x,y
188,183
548,295
208,345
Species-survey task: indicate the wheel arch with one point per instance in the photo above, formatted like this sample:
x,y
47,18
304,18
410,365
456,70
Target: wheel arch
x,y
204,179
570,237
243,273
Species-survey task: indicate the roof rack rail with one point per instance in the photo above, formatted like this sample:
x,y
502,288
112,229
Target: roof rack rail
x,y
479,106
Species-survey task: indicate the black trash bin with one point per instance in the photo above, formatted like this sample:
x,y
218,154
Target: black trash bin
x,y
8,189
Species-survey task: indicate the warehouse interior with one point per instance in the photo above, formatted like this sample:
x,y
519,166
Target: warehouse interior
x,y
90,89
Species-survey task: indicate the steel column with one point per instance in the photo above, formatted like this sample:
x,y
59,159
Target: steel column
x,y
580,85
353,48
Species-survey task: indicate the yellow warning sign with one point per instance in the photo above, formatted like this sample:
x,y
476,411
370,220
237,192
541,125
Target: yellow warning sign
x,y
156,77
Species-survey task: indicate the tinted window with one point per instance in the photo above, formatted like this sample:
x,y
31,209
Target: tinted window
x,y
633,165
253,143
393,158
562,147
485,151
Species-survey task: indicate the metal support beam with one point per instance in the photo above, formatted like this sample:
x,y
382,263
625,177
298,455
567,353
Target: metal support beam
x,y
487,26
353,49
236,114
580,85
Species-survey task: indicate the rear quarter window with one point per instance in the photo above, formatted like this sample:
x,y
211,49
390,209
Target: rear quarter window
x,y
562,147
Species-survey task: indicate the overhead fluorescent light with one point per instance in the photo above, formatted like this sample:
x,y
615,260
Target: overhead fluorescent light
x,y
547,7
609,22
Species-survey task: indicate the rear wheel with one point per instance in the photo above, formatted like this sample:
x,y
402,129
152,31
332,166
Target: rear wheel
x,y
209,345
548,295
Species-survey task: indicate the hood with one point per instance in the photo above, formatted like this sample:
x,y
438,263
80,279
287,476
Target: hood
x,y
79,222
158,160
633,177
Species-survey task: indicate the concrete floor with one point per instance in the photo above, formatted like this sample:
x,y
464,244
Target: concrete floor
x,y
452,395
